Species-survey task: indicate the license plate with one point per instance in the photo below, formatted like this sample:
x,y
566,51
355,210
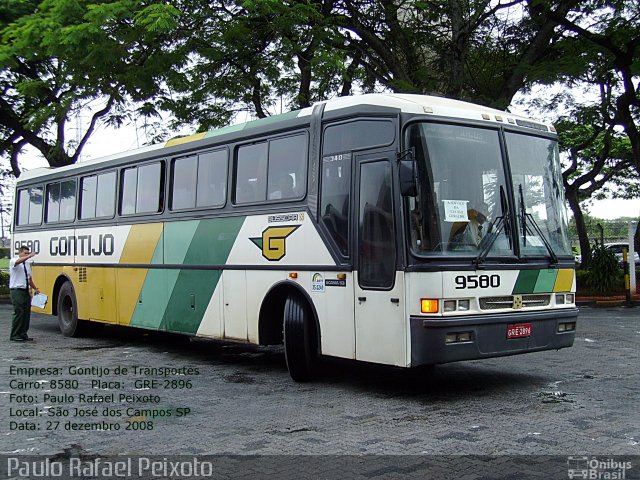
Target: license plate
x,y
519,331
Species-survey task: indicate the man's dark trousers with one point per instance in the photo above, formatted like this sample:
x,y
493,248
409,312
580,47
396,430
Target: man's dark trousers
x,y
21,313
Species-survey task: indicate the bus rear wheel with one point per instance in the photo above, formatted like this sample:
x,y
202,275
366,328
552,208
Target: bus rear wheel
x,y
68,321
300,340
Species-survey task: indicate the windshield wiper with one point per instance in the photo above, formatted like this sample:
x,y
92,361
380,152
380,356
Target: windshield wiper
x,y
536,228
501,223
523,219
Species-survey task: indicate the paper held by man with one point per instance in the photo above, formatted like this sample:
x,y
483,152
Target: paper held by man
x,y
39,300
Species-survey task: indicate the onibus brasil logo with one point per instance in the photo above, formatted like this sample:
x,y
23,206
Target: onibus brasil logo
x,y
272,243
597,469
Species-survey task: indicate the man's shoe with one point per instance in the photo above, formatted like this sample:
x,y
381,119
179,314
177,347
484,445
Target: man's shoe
x,y
18,339
27,339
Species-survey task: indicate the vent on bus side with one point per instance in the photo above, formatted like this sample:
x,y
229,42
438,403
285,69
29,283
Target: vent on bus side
x,y
82,274
528,301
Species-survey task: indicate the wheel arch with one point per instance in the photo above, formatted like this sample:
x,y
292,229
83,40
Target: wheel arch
x,y
61,280
272,313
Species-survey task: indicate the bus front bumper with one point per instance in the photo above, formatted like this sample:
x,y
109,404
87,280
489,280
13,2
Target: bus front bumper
x,y
431,338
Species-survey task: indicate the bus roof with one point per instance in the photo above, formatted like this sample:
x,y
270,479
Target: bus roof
x,y
406,103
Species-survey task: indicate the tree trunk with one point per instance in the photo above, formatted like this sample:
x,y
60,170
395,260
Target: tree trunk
x,y
304,91
453,87
574,204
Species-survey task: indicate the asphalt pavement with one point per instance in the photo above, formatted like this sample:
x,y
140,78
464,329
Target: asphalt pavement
x,y
132,392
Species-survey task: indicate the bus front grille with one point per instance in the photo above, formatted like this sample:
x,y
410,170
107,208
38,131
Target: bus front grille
x,y
507,301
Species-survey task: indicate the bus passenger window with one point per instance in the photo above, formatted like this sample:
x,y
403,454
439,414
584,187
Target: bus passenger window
x,y
23,207
149,193
88,187
97,196
129,184
29,206
185,174
287,167
142,189
212,179
35,205
68,201
106,195
61,201
251,167
53,202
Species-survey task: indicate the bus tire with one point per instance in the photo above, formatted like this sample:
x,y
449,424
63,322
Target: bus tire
x,y
300,342
68,312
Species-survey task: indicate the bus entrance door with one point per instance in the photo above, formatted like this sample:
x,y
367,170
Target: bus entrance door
x,y
379,291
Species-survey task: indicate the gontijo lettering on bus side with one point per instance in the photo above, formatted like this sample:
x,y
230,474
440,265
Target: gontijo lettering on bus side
x,y
82,245
91,245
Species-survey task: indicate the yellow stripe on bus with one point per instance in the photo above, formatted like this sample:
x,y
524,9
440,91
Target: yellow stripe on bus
x,y
44,277
564,280
187,139
141,243
139,248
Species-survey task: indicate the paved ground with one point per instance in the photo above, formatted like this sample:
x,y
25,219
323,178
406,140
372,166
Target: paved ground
x,y
578,401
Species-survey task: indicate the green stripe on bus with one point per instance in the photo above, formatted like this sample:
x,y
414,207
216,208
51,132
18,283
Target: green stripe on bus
x,y
150,308
172,249
178,237
191,294
189,300
545,282
213,240
526,282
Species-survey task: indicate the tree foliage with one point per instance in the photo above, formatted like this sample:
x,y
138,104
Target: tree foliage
x,y
252,54
601,46
58,57
205,61
599,56
600,165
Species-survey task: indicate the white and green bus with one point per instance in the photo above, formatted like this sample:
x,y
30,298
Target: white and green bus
x,y
402,230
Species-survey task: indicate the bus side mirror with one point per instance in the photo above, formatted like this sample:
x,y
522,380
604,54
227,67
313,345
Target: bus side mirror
x,y
407,174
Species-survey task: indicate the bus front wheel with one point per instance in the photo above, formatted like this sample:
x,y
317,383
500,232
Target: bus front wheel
x,y
68,312
300,342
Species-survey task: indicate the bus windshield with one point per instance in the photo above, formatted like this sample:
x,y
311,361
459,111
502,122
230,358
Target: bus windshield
x,y
462,208
537,184
460,180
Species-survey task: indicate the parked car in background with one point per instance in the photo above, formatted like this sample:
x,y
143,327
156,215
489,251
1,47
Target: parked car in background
x,y
617,249
576,256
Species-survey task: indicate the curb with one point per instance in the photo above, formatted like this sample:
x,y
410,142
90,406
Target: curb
x,y
607,303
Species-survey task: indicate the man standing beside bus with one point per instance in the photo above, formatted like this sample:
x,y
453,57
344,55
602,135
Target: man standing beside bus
x,y
19,282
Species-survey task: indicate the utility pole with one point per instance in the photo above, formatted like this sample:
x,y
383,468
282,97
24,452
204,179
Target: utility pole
x,y
632,257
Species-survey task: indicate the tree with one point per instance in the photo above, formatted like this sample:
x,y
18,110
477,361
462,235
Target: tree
x,y
254,55
57,57
602,43
205,61
596,155
476,50
251,54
